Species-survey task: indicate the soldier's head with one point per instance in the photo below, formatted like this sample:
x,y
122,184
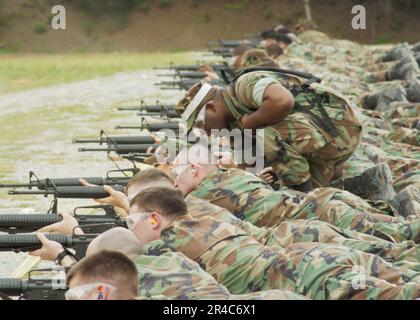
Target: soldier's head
x,y
153,210
203,107
274,51
116,239
105,275
268,38
283,41
147,178
191,166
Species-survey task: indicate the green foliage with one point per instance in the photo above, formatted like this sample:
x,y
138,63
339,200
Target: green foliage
x,y
206,17
94,6
122,20
236,5
89,26
195,3
143,5
3,22
164,3
41,27
382,39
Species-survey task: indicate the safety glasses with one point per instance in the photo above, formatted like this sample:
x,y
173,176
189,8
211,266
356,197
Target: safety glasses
x,y
178,170
78,293
134,219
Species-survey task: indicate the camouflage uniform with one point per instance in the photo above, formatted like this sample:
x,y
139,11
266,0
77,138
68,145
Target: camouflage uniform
x,y
253,200
299,230
300,147
317,271
172,275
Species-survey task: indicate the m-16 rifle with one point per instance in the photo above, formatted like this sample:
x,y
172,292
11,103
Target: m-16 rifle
x,y
116,140
122,148
186,75
183,84
224,52
24,242
89,223
226,43
42,184
196,67
148,107
169,114
73,192
153,126
34,288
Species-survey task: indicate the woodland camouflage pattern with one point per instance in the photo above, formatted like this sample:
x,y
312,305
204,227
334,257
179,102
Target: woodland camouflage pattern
x,y
318,271
299,148
253,200
405,253
172,275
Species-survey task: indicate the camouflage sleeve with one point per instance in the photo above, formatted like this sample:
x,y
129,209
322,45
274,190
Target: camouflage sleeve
x,y
250,88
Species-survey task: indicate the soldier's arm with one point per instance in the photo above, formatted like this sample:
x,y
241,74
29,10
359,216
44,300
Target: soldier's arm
x,y
277,103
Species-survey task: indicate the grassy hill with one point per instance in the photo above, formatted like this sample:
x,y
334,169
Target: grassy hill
x,y
178,25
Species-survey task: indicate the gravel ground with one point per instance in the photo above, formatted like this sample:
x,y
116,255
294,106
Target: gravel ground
x,y
57,114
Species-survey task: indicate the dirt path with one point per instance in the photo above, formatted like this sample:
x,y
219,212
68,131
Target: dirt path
x,y
99,92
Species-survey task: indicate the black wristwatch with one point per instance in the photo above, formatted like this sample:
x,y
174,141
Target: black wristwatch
x,y
63,254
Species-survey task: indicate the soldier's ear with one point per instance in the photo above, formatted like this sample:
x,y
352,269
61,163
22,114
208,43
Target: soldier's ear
x,y
194,169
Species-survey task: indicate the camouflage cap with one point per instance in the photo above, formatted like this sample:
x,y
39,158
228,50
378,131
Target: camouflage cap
x,y
196,97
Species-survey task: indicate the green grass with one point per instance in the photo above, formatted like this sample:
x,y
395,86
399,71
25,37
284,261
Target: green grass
x,y
28,71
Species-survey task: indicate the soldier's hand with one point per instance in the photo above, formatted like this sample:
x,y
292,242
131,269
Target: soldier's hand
x,y
156,139
65,226
50,249
267,175
116,199
83,182
225,159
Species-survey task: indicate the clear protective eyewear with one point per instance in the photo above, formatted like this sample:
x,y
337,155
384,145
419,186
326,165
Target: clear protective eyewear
x,y
134,219
78,293
178,170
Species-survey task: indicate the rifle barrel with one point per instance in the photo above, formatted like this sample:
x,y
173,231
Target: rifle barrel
x,y
72,192
122,148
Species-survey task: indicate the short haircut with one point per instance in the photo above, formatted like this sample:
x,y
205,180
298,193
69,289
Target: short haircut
x,y
111,267
148,176
283,38
168,202
118,239
268,34
274,51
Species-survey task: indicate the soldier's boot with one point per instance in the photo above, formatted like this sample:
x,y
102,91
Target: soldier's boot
x,y
376,77
374,184
416,124
369,101
390,94
413,91
408,71
409,199
396,53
